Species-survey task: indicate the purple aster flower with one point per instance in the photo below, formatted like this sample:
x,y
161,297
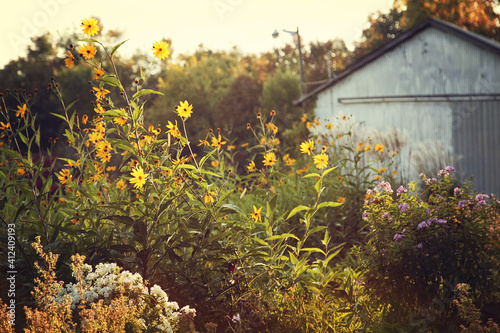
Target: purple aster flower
x,y
457,190
481,196
422,225
364,216
387,215
430,181
419,246
449,169
428,211
429,221
403,207
398,237
441,221
401,190
386,186
462,203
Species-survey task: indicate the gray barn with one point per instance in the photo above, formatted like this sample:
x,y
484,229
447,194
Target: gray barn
x,y
439,84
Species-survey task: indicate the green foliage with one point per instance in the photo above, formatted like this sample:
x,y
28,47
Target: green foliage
x,y
421,245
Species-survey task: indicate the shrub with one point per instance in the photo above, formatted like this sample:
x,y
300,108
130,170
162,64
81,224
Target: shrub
x,y
421,245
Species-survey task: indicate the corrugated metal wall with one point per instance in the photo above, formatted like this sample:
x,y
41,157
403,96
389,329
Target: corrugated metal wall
x,y
435,63
476,137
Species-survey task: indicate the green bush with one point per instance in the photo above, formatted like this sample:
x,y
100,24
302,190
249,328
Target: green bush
x,y
421,245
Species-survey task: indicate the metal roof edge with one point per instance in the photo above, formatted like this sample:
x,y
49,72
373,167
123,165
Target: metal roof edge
x,y
475,38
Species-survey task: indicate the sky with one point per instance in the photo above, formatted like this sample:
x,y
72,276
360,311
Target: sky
x,y
217,24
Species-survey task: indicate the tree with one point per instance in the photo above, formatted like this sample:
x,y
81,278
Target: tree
x,y
478,16
239,106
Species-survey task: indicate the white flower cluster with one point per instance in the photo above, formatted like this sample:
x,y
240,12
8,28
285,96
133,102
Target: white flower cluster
x,y
108,280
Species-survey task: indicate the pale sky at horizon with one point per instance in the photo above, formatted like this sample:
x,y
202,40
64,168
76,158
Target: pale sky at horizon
x,y
217,24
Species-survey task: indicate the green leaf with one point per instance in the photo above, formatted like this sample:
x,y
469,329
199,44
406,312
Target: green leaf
x,y
327,171
24,139
312,174
286,235
37,137
234,208
329,204
312,249
114,113
336,249
58,116
121,144
145,92
111,80
296,210
142,74
88,40
116,47
318,228
204,158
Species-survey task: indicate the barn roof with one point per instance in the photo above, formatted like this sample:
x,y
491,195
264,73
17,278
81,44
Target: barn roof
x,y
479,40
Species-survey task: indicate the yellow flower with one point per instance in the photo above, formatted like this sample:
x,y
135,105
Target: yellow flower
x,y
64,176
121,185
262,141
173,129
309,125
381,170
90,26
161,50
341,199
288,160
307,147
184,110
70,60
379,147
101,93
120,120
215,163
269,159
85,118
395,172
256,214
204,143
217,142
20,172
208,198
321,161
139,177
251,167
72,164
368,147
21,111
87,51
317,122
329,126
4,126
98,73
98,109
103,151
303,118
231,147
377,178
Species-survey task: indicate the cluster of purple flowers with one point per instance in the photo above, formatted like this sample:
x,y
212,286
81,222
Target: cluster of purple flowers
x,y
387,216
386,186
425,224
401,190
448,170
403,207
